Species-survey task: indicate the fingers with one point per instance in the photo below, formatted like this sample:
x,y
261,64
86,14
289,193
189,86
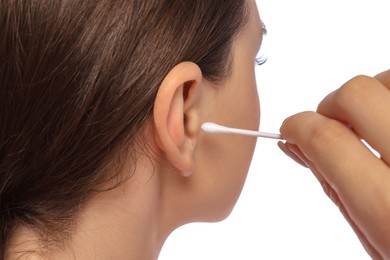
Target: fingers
x,y
384,77
330,145
292,152
328,142
336,155
363,103
296,154
368,246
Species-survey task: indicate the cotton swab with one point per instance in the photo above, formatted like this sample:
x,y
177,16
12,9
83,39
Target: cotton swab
x,y
215,128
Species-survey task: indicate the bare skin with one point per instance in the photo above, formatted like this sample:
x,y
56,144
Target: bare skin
x,y
329,143
191,177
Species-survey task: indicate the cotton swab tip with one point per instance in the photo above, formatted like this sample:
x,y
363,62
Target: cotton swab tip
x,y
211,127
215,128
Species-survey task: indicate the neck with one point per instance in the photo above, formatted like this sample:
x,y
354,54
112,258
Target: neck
x,y
119,225
123,223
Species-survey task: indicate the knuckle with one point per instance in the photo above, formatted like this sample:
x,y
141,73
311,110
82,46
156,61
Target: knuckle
x,y
353,93
326,133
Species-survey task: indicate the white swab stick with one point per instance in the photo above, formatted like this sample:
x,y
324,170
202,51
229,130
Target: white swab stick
x,y
215,128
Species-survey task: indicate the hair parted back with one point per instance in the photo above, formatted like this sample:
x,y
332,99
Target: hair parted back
x,y
78,81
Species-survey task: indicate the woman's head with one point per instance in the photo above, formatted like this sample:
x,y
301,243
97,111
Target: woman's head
x,y
217,163
78,86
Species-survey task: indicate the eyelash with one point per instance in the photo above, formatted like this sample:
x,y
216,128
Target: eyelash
x,y
260,60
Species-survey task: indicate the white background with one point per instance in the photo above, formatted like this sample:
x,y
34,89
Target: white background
x,y
313,47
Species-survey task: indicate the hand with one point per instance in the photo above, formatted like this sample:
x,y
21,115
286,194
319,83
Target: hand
x,y
329,143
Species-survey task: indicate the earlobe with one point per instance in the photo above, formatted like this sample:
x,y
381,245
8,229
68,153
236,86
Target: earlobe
x,y
176,116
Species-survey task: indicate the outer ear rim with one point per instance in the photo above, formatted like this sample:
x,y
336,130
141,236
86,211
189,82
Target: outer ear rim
x,y
178,150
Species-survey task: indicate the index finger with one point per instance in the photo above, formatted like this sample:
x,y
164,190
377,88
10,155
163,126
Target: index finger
x,y
363,103
384,77
361,180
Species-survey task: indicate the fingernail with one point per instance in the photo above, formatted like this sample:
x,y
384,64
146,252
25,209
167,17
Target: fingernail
x,y
285,120
291,154
281,126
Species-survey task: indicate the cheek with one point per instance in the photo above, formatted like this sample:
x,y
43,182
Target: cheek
x,y
221,173
247,109
254,107
227,157
222,161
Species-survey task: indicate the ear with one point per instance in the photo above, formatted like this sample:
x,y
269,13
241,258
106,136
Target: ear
x,y
176,115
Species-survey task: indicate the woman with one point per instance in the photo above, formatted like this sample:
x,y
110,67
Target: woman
x,y
101,152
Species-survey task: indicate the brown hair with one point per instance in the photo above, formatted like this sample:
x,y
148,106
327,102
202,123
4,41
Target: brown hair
x,y
77,83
